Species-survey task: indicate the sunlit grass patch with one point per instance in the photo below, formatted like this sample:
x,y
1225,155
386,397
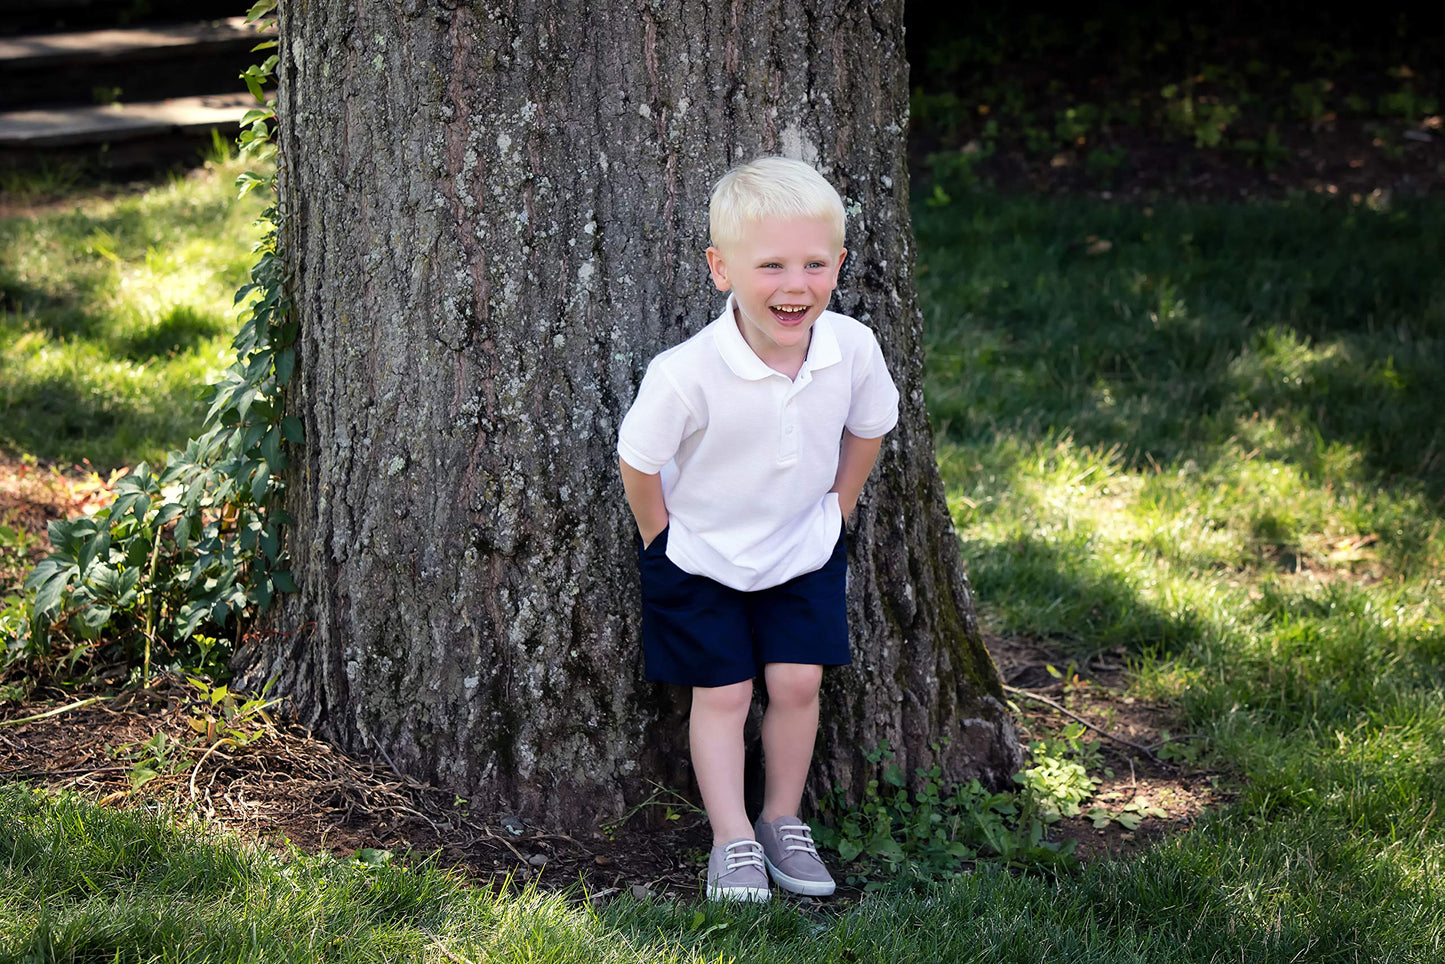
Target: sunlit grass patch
x,y
114,314
1218,447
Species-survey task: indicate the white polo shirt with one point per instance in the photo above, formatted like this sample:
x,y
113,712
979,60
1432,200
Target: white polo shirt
x,y
747,454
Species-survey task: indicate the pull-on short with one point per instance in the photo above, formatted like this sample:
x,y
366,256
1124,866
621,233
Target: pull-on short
x,y
698,632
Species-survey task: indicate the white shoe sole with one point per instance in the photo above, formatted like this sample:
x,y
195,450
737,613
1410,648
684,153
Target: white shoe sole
x,y
797,885
755,894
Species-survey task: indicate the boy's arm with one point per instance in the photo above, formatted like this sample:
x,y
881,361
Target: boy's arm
x,y
856,457
644,497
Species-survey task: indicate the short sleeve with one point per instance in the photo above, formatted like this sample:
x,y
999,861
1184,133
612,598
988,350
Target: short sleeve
x,y
657,422
874,408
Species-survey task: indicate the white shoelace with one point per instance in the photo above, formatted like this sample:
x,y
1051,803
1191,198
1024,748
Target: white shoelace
x,y
743,853
806,838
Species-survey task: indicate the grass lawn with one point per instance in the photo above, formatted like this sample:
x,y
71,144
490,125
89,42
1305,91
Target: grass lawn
x,y
1203,437
115,311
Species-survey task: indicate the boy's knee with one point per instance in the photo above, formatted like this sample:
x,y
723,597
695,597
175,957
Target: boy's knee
x,y
793,684
733,698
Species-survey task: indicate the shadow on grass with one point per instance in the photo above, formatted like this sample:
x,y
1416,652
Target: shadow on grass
x,y
61,419
1058,588
180,330
1293,327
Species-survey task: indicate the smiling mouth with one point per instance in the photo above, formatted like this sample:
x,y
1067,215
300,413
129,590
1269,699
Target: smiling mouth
x,y
788,314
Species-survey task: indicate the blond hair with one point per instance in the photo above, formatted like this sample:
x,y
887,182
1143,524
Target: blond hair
x,y
771,187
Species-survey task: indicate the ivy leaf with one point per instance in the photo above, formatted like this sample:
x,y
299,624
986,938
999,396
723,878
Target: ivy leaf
x,y
1129,821
271,448
285,363
190,617
261,593
105,580
130,503
183,532
260,9
270,540
259,481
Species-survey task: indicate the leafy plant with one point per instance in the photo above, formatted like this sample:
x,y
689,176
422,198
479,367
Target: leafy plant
x,y
1309,99
161,755
1268,153
932,830
1203,117
1129,816
221,716
1104,164
1059,781
1185,750
198,543
218,717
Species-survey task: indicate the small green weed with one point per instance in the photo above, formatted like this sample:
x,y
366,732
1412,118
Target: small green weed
x,y
218,717
1058,782
673,805
161,755
226,718
926,830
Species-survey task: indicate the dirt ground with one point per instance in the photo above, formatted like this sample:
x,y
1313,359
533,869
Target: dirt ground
x,y
287,788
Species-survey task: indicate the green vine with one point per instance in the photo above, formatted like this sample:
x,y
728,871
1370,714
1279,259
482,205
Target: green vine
x,y
198,545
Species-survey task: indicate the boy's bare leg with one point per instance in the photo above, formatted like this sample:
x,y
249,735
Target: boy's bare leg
x,y
715,731
790,726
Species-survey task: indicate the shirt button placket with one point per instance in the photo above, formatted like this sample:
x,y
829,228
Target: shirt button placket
x,y
788,446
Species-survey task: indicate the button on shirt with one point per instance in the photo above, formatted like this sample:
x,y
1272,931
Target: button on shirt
x,y
747,454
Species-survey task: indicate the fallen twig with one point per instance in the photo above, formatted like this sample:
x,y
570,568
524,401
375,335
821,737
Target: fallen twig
x,y
55,712
441,946
1070,713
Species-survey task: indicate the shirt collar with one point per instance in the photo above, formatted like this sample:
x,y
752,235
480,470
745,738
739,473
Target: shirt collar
x,y
822,349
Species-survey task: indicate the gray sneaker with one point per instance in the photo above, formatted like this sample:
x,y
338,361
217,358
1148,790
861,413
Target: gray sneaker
x,y
735,872
792,858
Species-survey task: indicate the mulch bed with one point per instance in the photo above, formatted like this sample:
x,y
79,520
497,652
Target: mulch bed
x,y
288,788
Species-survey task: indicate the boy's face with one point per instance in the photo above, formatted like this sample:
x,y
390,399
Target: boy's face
x,y
782,272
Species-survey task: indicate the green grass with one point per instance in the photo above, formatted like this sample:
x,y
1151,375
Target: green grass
x,y
114,312
81,882
1215,445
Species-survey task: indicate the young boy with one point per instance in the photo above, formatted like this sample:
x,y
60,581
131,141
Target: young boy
x,y
742,456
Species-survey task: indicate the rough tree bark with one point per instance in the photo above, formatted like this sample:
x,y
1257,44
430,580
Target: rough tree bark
x,y
495,215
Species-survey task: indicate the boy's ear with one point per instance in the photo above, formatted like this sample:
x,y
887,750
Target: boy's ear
x,y
842,256
718,269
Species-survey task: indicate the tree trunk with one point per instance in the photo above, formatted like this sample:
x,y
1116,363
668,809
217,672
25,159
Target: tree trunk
x,y
496,215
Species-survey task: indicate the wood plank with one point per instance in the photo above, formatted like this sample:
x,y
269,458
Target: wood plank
x,y
38,51
59,127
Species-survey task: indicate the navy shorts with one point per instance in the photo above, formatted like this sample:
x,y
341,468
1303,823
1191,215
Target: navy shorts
x,y
698,632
